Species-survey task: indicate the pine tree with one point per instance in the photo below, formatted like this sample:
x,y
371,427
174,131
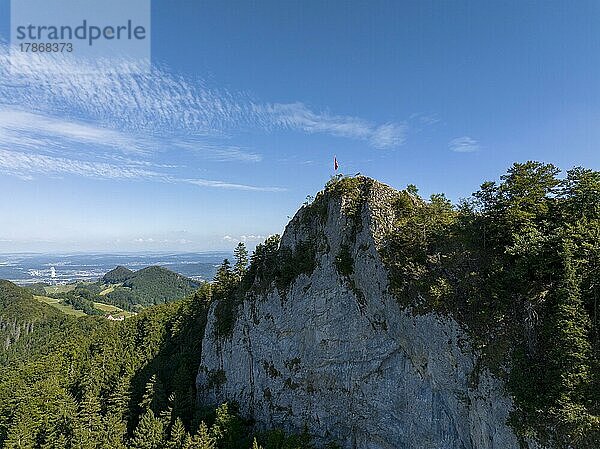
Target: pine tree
x,y
569,354
154,395
20,435
177,435
224,279
241,260
148,395
227,429
149,434
167,414
203,439
187,442
115,429
118,398
58,442
89,426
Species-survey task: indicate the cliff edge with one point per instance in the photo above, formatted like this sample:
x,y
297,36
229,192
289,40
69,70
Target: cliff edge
x,y
333,351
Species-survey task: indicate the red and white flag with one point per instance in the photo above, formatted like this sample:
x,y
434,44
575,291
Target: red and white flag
x,y
335,163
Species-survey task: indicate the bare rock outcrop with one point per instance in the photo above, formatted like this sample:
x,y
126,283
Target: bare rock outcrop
x,y
336,354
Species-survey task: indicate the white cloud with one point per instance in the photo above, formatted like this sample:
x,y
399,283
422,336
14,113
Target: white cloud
x,y
234,186
20,129
161,103
391,135
219,153
22,164
298,116
425,119
252,238
26,166
109,125
464,144
161,241
143,240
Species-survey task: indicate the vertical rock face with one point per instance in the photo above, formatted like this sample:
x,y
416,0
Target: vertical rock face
x,y
336,354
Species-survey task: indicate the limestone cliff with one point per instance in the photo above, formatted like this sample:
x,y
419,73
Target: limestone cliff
x,y
335,353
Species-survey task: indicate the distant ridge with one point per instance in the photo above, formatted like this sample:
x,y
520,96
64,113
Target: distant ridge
x,y
117,275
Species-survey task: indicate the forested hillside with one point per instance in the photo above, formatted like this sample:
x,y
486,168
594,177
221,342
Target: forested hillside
x,y
90,383
117,275
22,320
148,286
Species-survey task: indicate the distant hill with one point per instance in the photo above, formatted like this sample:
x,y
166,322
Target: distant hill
x,y
117,275
155,285
149,286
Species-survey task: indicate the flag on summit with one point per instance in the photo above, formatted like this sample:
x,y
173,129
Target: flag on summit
x,y
335,163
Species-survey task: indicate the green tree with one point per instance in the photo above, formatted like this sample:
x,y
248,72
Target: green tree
x,y
149,434
224,273
115,429
227,430
241,261
525,193
569,354
177,435
20,435
60,441
88,431
154,395
255,444
412,189
118,398
203,438
581,192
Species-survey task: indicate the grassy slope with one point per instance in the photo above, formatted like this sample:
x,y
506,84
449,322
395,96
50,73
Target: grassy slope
x,y
52,289
108,289
69,310
113,310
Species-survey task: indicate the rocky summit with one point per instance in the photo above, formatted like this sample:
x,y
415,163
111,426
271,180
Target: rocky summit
x,y
335,352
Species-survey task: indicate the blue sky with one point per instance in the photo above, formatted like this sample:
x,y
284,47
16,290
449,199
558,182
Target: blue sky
x,y
248,102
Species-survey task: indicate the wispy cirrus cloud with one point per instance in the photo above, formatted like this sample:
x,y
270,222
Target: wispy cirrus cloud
x,y
25,130
35,131
163,241
168,104
231,186
26,166
219,153
15,163
110,125
298,116
463,144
